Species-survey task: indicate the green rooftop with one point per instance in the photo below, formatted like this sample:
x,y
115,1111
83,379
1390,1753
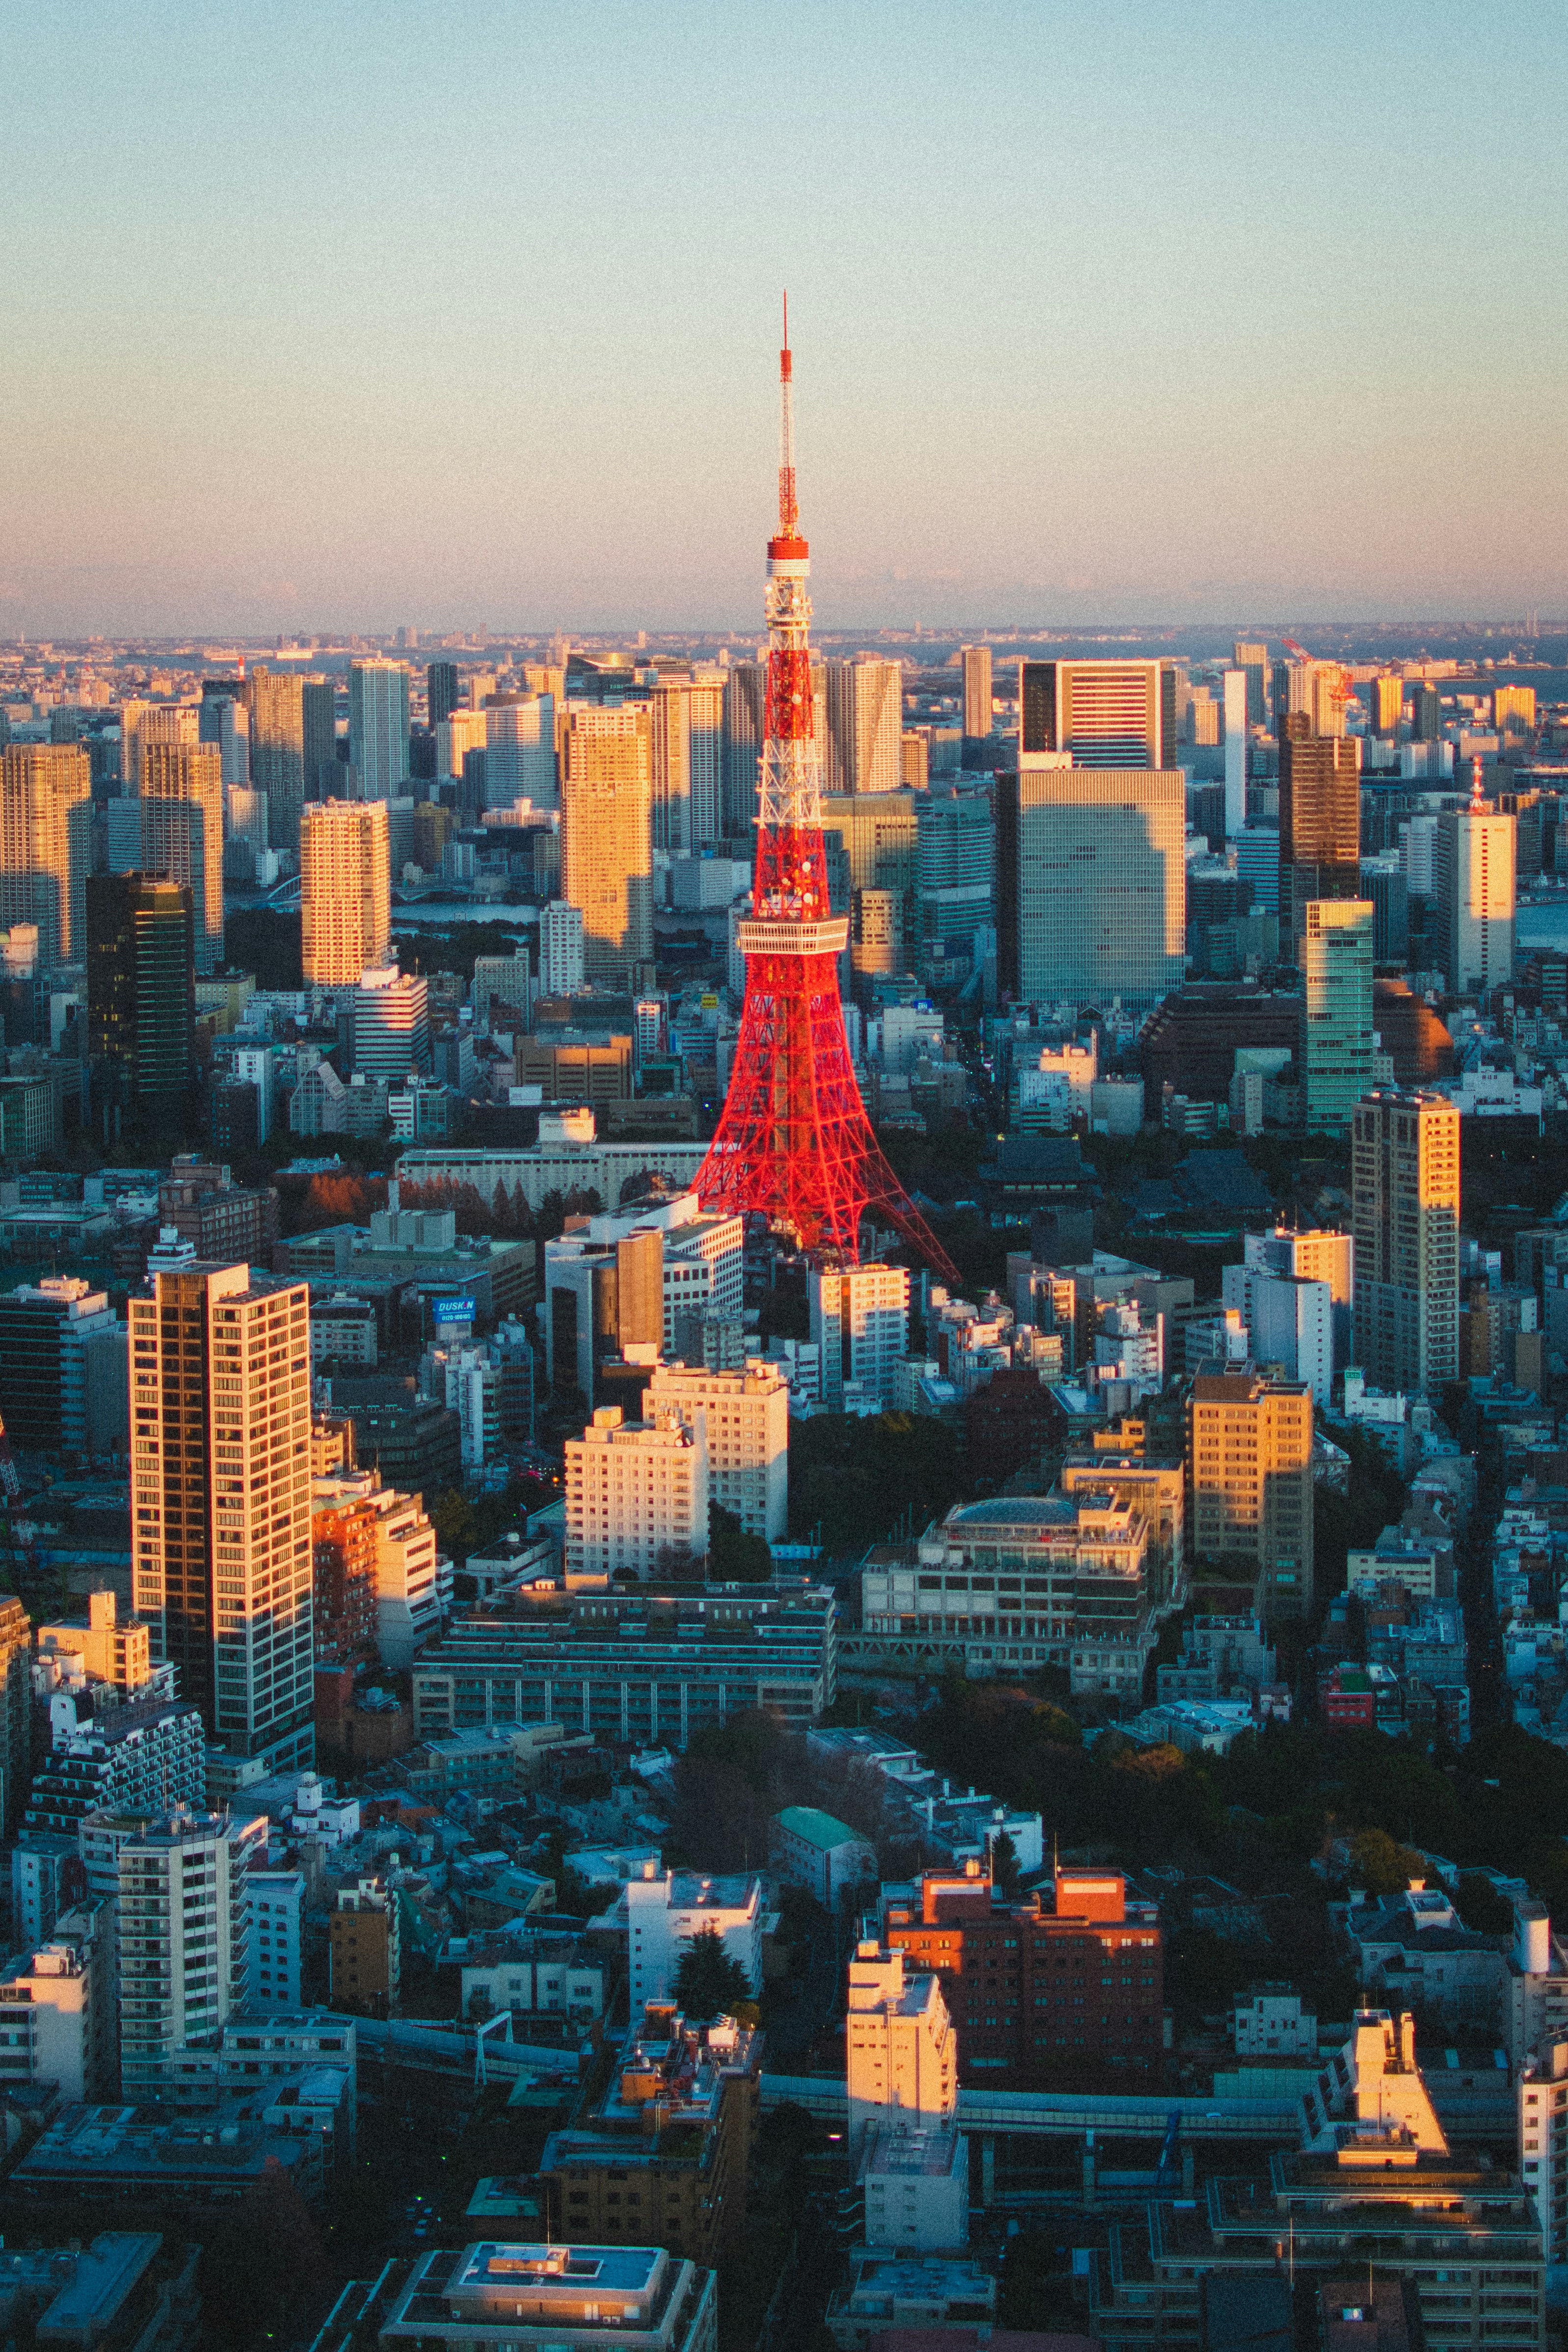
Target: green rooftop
x,y
818,1829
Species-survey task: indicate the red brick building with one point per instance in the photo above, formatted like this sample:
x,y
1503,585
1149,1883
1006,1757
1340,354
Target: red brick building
x,y
1044,1989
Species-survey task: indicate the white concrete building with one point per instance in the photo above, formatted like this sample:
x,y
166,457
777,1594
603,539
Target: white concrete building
x,y
744,1418
860,1322
664,1909
561,951
636,1493
1289,1323
184,1945
1271,2022
1473,876
275,1911
901,2047
55,2005
915,2181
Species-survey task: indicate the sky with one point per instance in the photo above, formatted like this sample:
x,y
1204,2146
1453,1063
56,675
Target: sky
x,y
320,315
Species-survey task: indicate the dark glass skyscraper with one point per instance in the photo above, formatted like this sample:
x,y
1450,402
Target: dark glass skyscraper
x,y
140,996
318,715
1319,820
441,690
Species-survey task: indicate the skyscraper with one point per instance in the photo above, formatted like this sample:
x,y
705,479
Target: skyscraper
x,y
181,807
1253,659
520,750
744,689
606,837
152,722
1405,1193
561,950
1385,705
378,728
1319,821
977,707
1249,1482
140,996
391,1023
184,1947
440,690
220,1408
1235,752
1091,884
1474,884
319,721
224,720
865,725
669,753
1426,715
277,752
46,844
1107,714
460,732
344,890
705,706
1337,1036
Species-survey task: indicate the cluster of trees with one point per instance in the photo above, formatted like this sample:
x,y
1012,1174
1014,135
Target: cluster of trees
x,y
1285,1797
859,1481
506,1216
734,1776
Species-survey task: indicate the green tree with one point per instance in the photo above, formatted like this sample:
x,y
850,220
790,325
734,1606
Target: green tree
x,y
1005,1873
709,1983
1381,1864
733,1555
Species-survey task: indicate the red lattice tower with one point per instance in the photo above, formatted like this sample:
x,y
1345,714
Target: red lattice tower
x,y
794,1144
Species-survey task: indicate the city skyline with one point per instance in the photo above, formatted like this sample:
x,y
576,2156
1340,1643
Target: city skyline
x,y
1148,325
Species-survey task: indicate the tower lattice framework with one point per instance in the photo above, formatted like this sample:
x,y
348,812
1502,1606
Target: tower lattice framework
x,y
794,1144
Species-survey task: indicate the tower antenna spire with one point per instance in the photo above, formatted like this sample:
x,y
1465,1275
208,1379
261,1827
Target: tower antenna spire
x,y
789,510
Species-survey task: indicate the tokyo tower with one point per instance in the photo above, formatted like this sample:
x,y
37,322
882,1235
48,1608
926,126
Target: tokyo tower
x,y
794,1144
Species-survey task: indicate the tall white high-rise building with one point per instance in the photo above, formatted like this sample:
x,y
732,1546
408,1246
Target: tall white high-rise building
x,y
1473,877
860,1322
1093,883
865,712
636,1494
743,1416
345,890
378,728
519,751
1337,1035
220,1439
183,1947
1404,1197
561,950
1235,752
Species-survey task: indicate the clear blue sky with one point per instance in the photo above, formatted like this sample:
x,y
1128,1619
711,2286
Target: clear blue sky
x,y
328,315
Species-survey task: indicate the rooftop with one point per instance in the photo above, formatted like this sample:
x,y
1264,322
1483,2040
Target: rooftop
x,y
818,1828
